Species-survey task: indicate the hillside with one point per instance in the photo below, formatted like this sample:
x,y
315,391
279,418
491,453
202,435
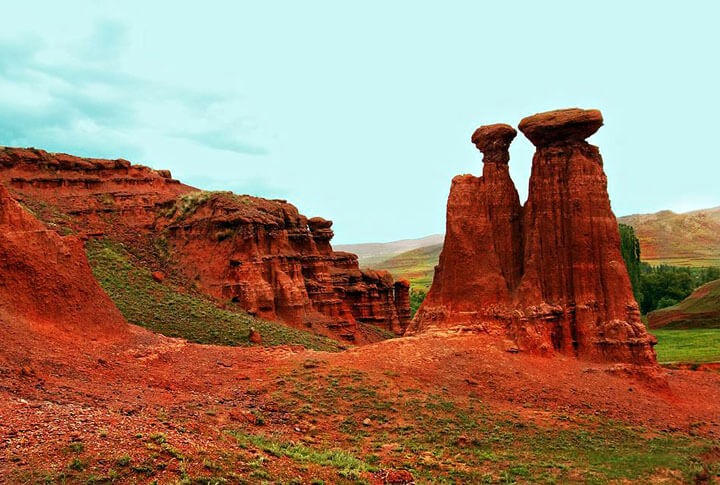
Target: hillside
x,y
371,254
416,265
699,310
259,255
687,239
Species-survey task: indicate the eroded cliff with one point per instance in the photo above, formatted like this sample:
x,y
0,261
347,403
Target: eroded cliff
x,y
262,255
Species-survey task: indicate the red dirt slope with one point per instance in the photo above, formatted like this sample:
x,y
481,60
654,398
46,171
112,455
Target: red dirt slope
x,y
46,282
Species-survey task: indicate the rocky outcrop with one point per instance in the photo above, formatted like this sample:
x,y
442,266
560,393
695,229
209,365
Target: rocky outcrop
x,y
46,286
259,254
87,195
274,262
549,276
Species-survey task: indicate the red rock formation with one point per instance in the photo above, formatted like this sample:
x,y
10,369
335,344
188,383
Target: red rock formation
x,y
272,261
481,259
553,281
87,196
261,254
46,286
402,305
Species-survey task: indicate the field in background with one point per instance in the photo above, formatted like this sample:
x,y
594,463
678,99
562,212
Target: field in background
x,y
688,239
694,346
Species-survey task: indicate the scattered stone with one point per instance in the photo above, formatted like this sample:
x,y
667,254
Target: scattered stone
x,y
254,336
27,371
395,477
311,364
158,276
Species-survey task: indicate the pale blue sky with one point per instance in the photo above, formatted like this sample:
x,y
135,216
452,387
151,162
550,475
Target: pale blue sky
x,y
362,112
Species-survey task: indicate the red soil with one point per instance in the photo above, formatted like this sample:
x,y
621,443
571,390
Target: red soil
x,y
67,395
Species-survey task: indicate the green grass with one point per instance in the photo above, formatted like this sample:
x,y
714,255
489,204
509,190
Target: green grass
x,y
163,309
687,346
347,465
443,440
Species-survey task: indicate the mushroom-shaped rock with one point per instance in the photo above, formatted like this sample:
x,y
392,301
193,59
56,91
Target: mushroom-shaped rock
x,y
494,142
563,125
318,223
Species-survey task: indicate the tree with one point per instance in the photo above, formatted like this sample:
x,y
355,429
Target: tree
x,y
630,248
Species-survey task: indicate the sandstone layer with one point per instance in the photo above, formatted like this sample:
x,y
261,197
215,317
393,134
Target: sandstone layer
x,y
262,255
548,276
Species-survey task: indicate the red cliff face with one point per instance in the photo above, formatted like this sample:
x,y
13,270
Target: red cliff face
x,y
261,254
85,195
550,275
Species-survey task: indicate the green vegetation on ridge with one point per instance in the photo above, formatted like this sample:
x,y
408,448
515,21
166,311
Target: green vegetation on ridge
x,y
699,310
163,309
663,286
417,265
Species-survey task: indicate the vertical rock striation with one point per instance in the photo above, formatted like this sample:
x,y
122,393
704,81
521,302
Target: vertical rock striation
x,y
549,275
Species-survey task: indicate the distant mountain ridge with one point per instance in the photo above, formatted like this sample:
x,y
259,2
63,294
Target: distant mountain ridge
x,y
370,254
685,239
681,239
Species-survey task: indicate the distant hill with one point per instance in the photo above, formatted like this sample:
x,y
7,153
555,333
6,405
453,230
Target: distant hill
x,y
416,265
699,310
372,254
687,239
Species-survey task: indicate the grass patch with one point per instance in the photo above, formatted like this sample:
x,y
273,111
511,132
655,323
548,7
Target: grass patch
x,y
347,465
443,440
165,310
690,345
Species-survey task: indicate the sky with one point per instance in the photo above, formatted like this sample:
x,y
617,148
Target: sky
x,y
361,112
